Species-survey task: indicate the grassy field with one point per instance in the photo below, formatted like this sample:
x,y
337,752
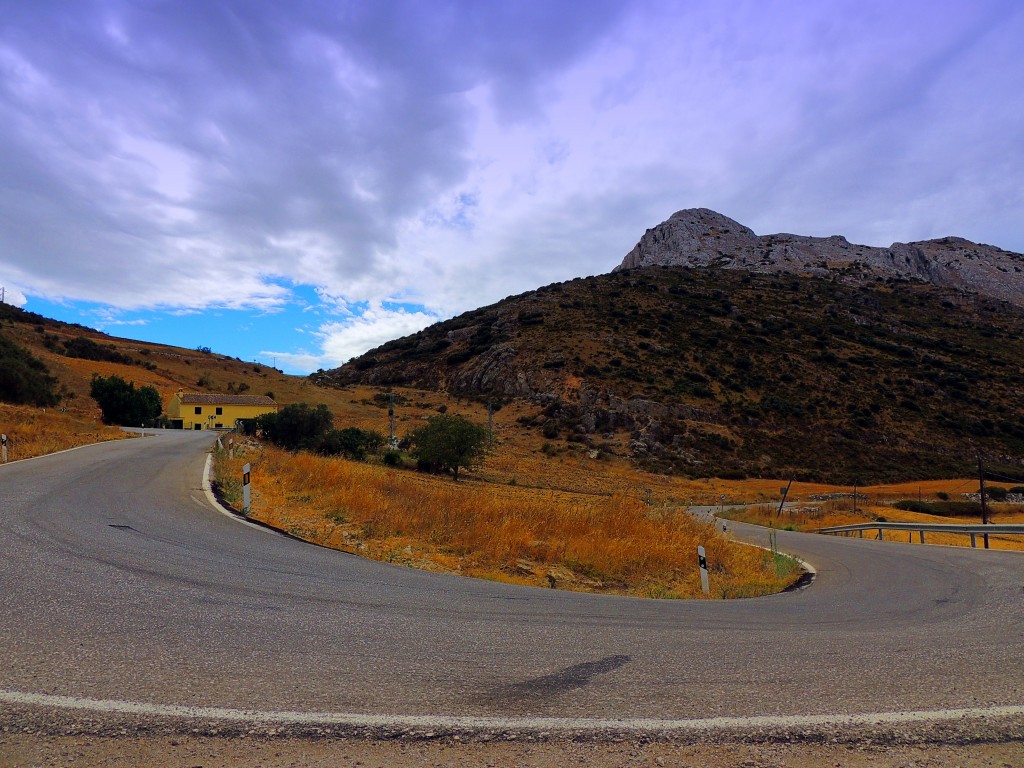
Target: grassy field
x,y
840,512
38,431
552,538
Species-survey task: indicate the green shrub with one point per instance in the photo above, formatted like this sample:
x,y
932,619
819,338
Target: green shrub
x,y
909,505
447,443
87,349
24,378
996,493
351,442
298,426
123,404
941,508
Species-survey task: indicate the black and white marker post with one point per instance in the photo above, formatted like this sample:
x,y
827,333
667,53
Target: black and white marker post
x,y
702,561
3,439
245,489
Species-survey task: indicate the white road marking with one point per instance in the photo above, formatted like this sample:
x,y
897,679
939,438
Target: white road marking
x,y
468,723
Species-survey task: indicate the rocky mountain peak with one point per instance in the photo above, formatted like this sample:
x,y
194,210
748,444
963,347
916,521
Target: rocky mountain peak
x,y
699,237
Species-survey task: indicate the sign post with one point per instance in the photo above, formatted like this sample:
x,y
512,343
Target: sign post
x,y
702,561
3,439
245,489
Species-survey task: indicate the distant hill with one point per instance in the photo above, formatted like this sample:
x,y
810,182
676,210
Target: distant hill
x,y
51,363
699,237
731,372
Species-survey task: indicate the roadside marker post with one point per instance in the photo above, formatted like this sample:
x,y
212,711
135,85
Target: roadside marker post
x,y
231,447
245,489
702,561
4,441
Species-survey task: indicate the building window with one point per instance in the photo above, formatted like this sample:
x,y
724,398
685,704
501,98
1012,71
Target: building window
x,y
220,411
199,410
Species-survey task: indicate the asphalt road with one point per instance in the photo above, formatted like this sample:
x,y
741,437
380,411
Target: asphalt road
x,y
119,581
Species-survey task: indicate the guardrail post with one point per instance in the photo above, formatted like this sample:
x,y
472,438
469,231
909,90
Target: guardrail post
x,y
702,563
880,535
246,477
974,543
921,533
860,533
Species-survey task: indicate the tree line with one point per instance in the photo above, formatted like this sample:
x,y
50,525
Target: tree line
x,y
446,443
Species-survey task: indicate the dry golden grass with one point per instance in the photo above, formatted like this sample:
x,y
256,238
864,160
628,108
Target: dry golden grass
x,y
840,512
39,431
583,542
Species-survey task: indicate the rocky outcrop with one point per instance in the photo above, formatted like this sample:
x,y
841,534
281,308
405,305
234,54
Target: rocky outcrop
x,y
699,237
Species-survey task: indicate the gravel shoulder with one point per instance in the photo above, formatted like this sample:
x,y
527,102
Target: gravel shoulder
x,y
31,736
17,750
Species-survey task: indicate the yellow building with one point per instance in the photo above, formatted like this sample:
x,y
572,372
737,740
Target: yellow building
x,y
194,411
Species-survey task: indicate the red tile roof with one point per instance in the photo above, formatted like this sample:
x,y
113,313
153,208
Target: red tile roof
x,y
197,399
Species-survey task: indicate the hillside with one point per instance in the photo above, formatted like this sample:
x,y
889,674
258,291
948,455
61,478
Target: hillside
x,y
67,356
718,372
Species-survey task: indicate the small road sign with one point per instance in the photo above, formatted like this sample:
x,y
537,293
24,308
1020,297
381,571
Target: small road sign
x,y
245,488
702,561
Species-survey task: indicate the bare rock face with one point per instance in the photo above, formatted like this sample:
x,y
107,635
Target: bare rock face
x,y
698,237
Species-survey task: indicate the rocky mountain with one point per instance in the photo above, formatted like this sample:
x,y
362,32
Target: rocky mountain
x,y
699,237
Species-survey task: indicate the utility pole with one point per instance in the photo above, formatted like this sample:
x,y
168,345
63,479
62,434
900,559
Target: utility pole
x,y
392,438
984,505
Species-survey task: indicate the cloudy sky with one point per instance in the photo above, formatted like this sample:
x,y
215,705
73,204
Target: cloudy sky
x,y
297,182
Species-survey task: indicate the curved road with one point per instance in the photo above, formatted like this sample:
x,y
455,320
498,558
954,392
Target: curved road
x,y
121,582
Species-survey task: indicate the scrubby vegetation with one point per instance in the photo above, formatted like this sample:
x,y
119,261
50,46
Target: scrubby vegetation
x,y
302,427
576,541
24,378
760,375
448,443
122,404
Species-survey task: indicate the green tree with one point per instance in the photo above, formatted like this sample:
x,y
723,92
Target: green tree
x,y
298,426
352,442
121,403
449,442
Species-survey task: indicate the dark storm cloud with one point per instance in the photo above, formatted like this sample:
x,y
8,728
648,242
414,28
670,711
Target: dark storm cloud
x,y
140,136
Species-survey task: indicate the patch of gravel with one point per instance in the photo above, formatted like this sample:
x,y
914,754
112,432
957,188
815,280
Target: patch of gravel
x,y
161,751
41,737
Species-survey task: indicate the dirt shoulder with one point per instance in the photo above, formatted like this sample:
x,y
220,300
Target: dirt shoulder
x,y
210,752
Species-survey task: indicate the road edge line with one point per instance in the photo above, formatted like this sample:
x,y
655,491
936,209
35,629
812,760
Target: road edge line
x,y
470,723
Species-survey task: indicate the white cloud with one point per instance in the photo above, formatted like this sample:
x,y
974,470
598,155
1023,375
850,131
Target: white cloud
x,y
14,296
191,158
341,341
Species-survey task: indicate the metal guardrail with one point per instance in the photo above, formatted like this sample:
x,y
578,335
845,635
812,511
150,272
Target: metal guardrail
x,y
971,530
